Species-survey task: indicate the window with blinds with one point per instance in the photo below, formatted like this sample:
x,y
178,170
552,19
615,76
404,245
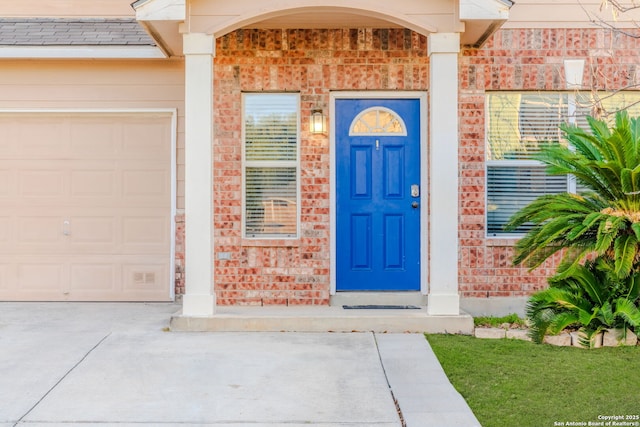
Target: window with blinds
x,y
270,130
517,126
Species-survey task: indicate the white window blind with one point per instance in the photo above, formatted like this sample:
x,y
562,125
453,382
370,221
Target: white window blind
x,y
270,128
518,125
511,188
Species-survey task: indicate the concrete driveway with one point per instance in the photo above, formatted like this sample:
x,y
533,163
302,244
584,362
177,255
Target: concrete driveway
x,y
66,364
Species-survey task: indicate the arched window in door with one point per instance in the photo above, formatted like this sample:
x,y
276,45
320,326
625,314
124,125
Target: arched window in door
x,y
378,121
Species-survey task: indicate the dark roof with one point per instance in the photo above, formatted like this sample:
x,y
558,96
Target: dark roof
x,y
72,32
137,3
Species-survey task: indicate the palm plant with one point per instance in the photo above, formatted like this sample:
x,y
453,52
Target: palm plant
x,y
604,219
590,297
597,285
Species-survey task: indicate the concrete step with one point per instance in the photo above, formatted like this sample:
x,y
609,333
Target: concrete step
x,y
322,319
372,298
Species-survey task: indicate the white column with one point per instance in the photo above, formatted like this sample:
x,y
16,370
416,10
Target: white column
x,y
199,298
443,297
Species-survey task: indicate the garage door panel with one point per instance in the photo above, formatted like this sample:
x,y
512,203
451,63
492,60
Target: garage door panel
x,y
5,276
9,143
96,138
94,233
94,183
5,181
148,232
144,277
144,187
84,198
41,277
40,232
43,137
143,139
5,230
96,278
134,279
49,184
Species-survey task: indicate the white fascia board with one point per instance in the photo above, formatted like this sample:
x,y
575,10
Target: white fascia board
x,y
496,10
160,10
81,52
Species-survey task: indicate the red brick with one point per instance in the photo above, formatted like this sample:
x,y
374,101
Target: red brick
x,y
317,61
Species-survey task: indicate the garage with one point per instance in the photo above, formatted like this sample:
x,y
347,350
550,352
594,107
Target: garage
x,y
86,206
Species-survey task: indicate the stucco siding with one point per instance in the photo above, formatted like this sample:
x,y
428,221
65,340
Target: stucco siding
x,y
67,8
566,14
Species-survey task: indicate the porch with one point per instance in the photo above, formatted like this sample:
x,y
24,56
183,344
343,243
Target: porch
x,y
348,312
197,34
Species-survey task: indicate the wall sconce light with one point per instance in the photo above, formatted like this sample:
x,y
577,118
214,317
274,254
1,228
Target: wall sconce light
x,y
573,71
318,122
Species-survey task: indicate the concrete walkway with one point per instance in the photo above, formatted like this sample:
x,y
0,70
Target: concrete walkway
x,y
68,364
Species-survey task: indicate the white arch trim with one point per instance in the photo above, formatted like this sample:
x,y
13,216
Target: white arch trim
x,y
475,20
371,9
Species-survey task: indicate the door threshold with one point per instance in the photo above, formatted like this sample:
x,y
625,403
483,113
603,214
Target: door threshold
x,y
378,298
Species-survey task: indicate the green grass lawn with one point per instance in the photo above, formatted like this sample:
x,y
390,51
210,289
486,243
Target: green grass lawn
x,y
496,322
509,383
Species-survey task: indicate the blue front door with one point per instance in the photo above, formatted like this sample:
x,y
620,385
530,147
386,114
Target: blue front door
x,y
378,194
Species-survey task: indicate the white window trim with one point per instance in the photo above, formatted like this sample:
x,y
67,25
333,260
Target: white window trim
x,y
572,107
261,163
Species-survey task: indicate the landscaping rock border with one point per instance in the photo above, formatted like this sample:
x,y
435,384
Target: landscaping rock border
x,y
609,338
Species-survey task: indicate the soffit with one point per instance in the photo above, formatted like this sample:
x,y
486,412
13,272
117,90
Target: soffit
x,y
324,20
165,20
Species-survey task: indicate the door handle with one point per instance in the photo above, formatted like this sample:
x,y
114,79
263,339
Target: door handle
x,y
415,205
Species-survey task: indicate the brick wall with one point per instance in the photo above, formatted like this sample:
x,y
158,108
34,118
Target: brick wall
x,y
179,262
530,59
313,62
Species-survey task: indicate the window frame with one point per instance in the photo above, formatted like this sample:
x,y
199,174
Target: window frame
x,y
293,164
630,101
524,163
377,110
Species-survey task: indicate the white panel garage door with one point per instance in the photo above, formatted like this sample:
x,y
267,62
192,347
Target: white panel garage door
x,y
85,206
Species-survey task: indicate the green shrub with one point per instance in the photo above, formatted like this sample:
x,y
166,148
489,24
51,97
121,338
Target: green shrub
x,y
590,298
601,224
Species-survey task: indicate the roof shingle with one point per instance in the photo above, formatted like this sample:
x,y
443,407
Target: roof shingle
x,y
72,32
